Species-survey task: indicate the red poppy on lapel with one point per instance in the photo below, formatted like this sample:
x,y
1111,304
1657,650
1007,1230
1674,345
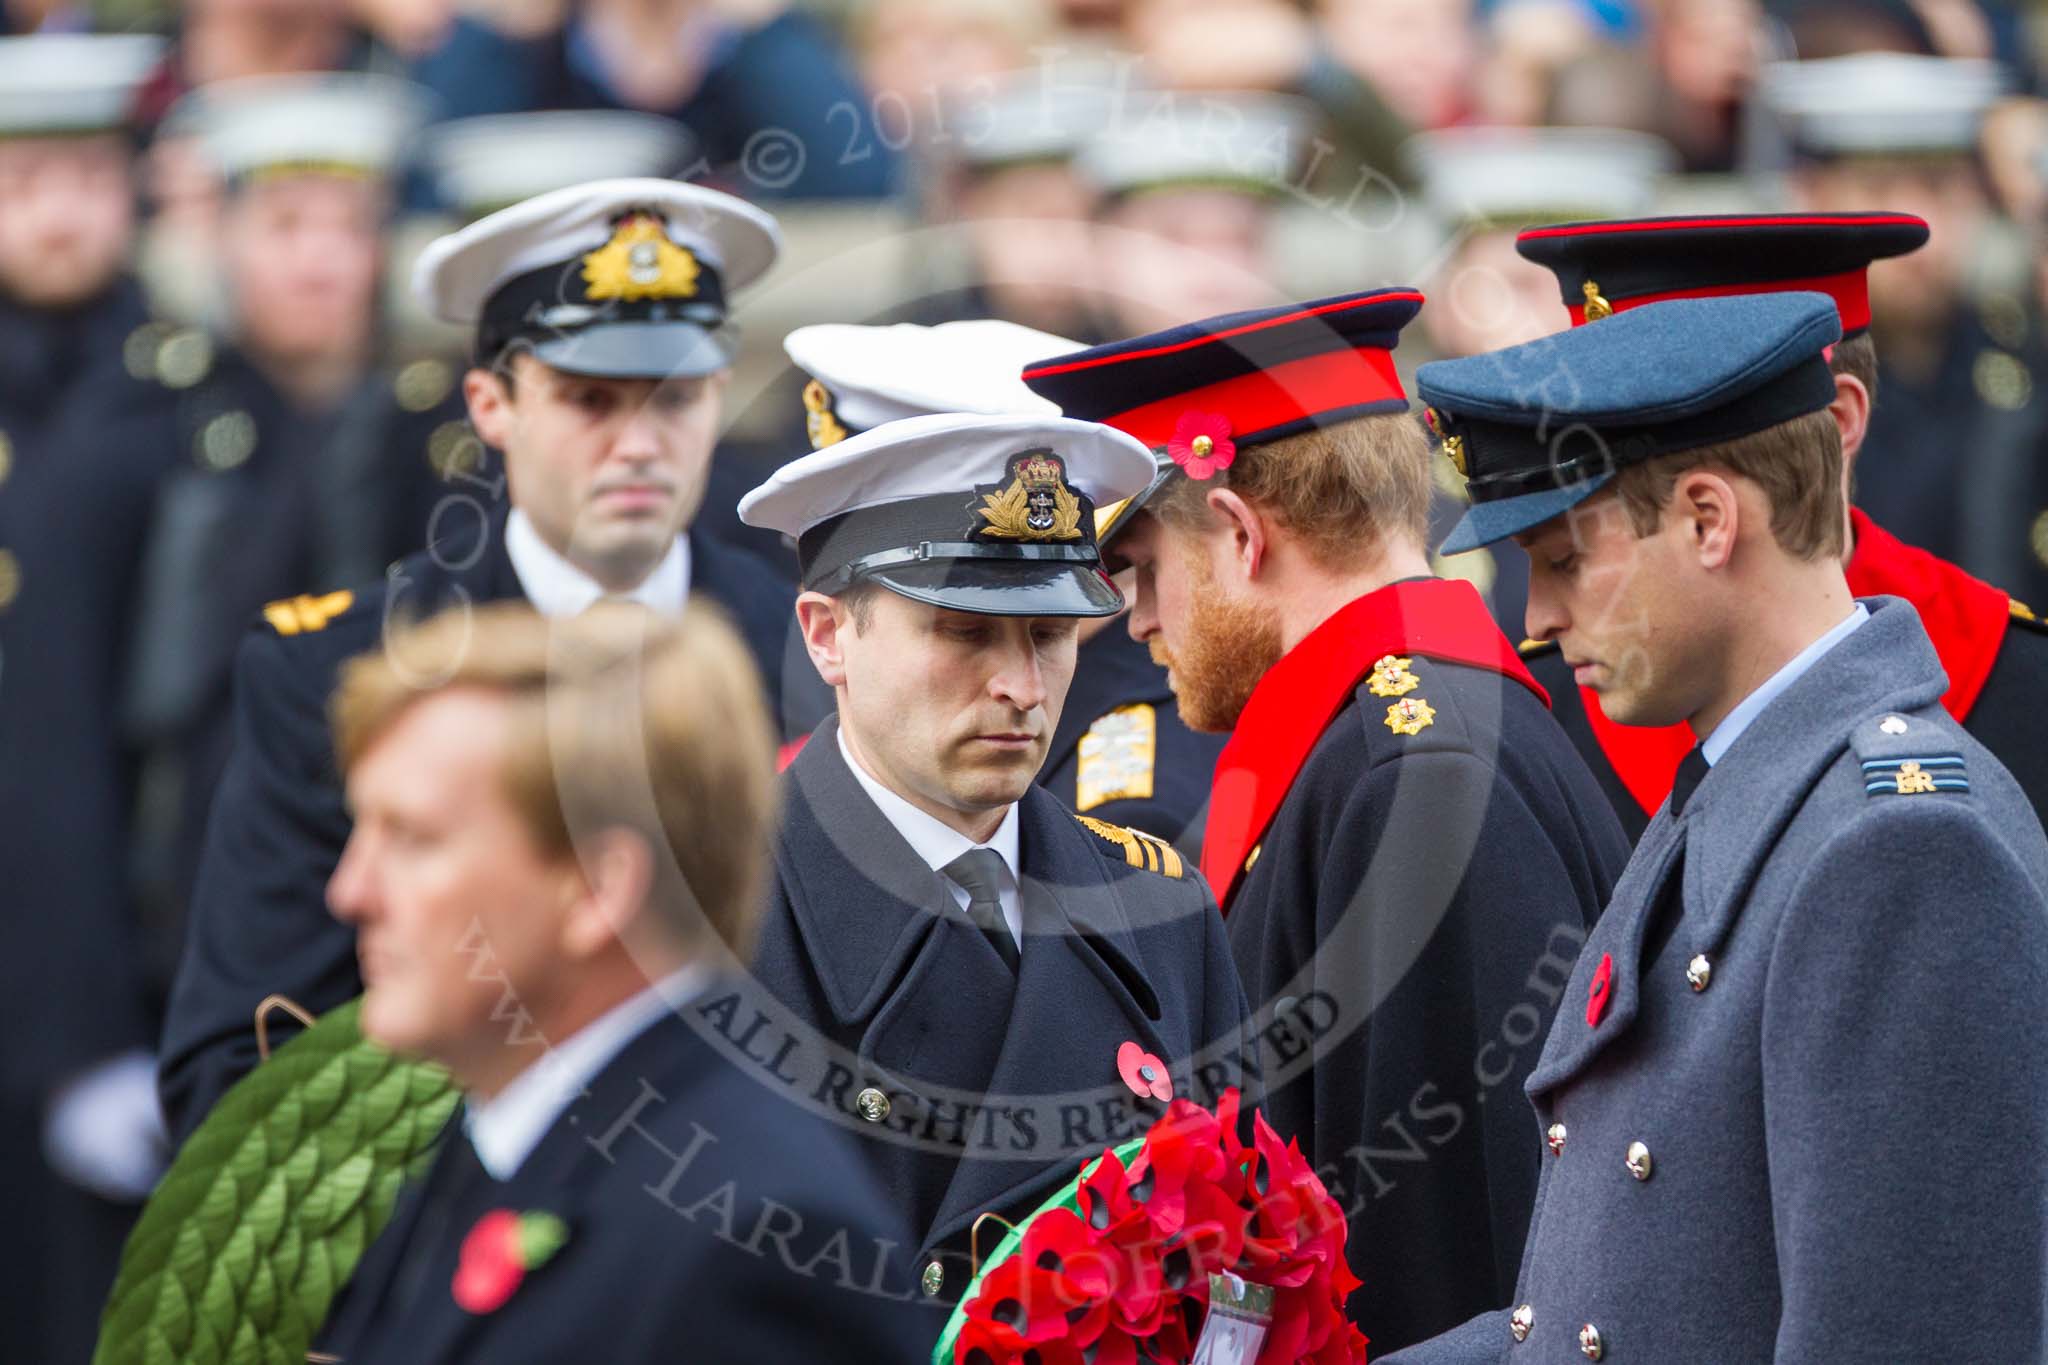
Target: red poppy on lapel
x,y
498,1253
1596,990
1144,1073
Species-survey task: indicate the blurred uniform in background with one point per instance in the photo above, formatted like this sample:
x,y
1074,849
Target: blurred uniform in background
x,y
253,507
1898,132
1190,183
1120,751
1478,187
80,1136
1002,176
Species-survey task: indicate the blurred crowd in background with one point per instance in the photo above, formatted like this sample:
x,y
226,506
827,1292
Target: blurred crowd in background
x,y
216,392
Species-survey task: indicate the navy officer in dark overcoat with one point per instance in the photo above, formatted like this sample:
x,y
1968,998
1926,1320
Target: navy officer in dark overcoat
x,y
600,381
1802,1033
990,987
1406,847
1121,752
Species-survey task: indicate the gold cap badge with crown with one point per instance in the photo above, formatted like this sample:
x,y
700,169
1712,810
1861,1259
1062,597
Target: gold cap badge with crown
x,y
640,262
1036,505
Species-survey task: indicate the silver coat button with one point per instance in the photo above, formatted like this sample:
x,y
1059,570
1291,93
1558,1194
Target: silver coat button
x,y
873,1105
1555,1139
1520,1321
1699,972
1589,1342
1639,1161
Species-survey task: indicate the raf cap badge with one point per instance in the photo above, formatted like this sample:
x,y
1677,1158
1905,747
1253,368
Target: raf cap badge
x,y
1454,446
640,262
1036,504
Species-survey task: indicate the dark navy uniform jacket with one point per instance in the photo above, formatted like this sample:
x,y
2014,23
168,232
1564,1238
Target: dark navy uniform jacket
x,y
1404,922
259,919
1993,648
707,1221
978,1090
1121,752
77,472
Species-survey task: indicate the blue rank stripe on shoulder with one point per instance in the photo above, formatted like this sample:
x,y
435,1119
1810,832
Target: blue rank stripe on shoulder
x,y
1914,775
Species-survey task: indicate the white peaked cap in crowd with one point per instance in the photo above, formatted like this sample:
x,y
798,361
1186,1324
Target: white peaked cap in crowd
x,y
1882,102
342,122
457,274
1514,175
491,161
1170,139
872,375
73,82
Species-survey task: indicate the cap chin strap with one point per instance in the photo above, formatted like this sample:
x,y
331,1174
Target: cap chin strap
x,y
924,551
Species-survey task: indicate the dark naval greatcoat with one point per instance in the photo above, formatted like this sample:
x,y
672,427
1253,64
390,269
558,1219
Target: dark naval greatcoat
x,y
1793,1106
979,1091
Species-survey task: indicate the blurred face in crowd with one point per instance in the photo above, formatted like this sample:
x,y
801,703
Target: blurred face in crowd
x,y
1919,289
1625,611
610,471
1171,256
951,710
1028,228
1214,641
302,255
439,868
67,217
1488,298
1708,50
1418,55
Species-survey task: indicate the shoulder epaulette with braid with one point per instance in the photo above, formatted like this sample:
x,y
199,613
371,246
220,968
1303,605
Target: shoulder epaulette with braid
x,y
1529,649
1138,848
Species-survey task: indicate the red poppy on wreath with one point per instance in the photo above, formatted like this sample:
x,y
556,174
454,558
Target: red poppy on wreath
x,y
498,1253
1201,443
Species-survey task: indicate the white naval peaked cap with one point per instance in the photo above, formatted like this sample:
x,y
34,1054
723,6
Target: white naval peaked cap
x,y
934,508
342,122
456,275
488,162
52,83
871,375
1882,102
1514,175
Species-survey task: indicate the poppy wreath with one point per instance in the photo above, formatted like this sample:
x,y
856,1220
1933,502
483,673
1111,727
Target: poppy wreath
x,y
1114,1270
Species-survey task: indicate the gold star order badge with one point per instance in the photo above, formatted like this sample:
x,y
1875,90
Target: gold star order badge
x,y
1391,678
1410,716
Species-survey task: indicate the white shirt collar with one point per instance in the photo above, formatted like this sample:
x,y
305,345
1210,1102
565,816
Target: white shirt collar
x,y
1750,707
939,843
558,588
507,1127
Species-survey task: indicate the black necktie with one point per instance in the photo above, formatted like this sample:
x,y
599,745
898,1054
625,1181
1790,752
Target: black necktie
x,y
978,872
1689,774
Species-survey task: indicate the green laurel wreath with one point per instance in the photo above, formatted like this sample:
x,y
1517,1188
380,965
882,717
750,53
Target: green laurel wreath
x,y
271,1202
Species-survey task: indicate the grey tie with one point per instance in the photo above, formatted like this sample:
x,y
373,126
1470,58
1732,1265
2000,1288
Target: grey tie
x,y
978,871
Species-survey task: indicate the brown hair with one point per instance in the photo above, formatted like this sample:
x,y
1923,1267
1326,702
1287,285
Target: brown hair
x,y
1857,358
618,720
1798,464
1343,489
